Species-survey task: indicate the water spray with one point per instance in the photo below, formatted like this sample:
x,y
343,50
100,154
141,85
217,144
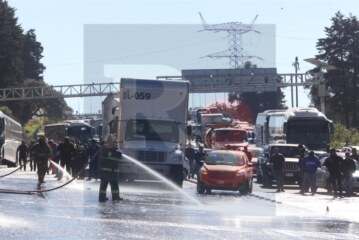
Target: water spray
x,y
138,163
162,178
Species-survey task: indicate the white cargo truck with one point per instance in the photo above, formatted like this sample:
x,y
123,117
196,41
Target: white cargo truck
x,y
152,126
110,113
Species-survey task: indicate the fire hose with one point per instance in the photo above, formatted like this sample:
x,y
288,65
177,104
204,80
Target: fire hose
x,y
13,191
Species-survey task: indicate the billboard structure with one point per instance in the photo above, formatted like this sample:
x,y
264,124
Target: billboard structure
x,y
231,80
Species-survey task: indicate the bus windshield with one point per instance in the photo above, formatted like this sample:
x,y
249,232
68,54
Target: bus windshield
x,y
82,133
152,130
308,132
275,128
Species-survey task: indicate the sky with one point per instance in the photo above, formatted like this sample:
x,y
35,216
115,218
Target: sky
x,y
59,26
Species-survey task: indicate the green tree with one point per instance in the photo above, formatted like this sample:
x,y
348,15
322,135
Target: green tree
x,y
261,101
20,66
249,65
31,56
11,42
6,111
55,108
340,48
344,136
32,72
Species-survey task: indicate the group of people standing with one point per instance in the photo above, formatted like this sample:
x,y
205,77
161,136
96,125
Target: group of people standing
x,y
340,171
72,157
22,153
47,156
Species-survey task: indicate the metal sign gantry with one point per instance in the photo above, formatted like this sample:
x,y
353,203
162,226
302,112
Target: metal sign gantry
x,y
66,91
283,80
103,89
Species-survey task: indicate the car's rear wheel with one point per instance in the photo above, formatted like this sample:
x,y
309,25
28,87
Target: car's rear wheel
x,y
200,187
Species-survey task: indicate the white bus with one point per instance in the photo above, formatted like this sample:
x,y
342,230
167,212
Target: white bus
x,y
262,131
306,126
56,131
75,130
11,135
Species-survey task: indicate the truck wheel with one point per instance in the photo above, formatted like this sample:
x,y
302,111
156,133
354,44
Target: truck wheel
x,y
200,187
179,182
177,175
178,178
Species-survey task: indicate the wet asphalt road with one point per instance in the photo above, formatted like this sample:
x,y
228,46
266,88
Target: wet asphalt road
x,y
151,210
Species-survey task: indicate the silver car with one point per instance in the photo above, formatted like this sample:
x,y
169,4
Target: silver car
x,y
323,177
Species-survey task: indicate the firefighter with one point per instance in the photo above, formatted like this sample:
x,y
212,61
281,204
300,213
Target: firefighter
x,y
32,161
66,150
41,152
109,170
21,154
92,155
79,160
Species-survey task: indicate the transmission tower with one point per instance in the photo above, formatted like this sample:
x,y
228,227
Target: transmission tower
x,y
235,30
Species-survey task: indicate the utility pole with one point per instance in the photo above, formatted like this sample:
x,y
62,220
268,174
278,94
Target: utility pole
x,y
296,67
322,91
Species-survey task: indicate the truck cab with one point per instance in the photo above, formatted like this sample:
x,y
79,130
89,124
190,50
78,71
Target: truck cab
x,y
291,166
223,136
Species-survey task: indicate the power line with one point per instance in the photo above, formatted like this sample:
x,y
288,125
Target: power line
x,y
235,30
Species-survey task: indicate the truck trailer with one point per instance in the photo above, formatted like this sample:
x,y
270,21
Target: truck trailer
x,y
152,127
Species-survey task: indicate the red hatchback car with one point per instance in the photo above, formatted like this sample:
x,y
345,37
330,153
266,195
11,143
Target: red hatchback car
x,y
226,170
